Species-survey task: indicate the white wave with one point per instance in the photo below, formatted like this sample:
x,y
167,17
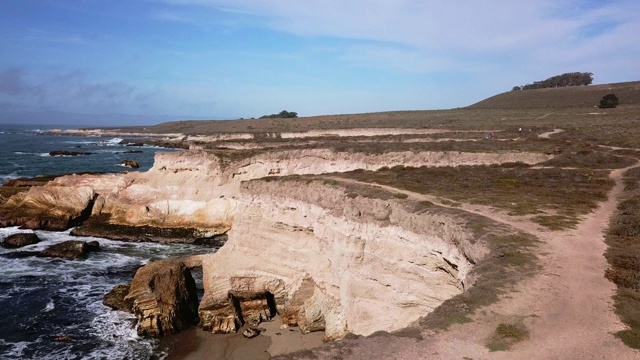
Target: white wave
x,y
50,306
114,141
13,175
43,154
16,351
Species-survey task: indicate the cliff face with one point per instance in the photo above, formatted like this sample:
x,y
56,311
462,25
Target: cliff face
x,y
195,190
305,250
346,265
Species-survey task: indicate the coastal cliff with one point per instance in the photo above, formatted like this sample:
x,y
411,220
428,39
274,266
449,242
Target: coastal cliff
x,y
334,263
321,258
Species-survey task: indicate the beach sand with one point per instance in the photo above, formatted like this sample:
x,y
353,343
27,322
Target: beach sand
x,y
196,344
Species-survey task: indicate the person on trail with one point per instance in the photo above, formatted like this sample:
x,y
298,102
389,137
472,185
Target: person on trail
x,y
492,135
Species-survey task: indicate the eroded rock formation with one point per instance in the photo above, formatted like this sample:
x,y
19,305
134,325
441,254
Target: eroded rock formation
x,y
305,250
195,190
344,262
163,297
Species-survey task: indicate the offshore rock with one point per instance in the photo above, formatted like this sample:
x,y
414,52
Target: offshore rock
x,y
130,163
68,153
19,240
70,250
164,298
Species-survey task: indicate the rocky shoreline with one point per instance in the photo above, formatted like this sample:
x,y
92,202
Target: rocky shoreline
x,y
320,260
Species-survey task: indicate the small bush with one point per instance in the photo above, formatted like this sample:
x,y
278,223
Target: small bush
x,y
609,101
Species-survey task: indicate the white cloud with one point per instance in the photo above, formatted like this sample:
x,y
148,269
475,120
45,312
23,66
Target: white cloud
x,y
440,34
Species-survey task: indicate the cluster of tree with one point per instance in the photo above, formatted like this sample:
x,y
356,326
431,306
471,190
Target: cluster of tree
x,y
283,114
568,79
609,101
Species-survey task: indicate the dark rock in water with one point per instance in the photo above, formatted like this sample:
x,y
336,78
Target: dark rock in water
x,y
68,153
93,246
70,250
164,298
130,163
62,338
115,298
20,240
133,152
251,333
99,226
135,144
20,254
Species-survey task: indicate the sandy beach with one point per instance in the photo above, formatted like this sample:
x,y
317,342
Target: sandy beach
x,y
196,344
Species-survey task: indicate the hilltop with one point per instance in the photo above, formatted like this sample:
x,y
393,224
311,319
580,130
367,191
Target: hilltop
x,y
562,97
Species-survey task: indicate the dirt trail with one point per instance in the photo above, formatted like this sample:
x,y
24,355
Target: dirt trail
x,y
567,306
547,134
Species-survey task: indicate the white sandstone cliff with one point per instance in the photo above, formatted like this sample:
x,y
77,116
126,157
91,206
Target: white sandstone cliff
x,y
351,265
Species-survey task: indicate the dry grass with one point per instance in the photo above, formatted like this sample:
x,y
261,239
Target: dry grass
x,y
506,335
623,254
520,190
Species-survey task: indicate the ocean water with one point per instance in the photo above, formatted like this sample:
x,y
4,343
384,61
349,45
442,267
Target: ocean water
x,y
44,298
24,152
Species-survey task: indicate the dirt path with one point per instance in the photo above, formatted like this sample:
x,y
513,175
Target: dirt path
x,y
547,134
567,306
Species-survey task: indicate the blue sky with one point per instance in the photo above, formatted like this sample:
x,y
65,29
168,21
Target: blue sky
x,y
224,59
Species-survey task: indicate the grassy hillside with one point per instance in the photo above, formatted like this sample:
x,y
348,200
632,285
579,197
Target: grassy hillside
x,y
564,97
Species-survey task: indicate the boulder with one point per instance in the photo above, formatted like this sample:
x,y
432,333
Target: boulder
x,y
20,240
251,332
68,153
115,298
130,163
164,298
70,250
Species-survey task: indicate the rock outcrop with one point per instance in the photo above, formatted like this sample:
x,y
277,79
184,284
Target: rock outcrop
x,y
54,207
130,163
354,265
70,250
206,207
20,240
68,153
163,297
115,299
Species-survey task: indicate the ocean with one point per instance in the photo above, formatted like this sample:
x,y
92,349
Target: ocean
x,y
52,308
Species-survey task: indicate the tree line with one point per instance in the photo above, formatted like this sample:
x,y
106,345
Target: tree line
x,y
284,114
567,79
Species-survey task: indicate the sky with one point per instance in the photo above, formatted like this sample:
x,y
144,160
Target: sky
x,y
146,61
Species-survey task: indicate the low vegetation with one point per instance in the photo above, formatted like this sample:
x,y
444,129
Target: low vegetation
x,y
609,101
506,335
557,196
623,255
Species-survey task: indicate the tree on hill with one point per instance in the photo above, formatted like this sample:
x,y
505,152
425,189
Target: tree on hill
x,y
567,79
609,101
284,114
